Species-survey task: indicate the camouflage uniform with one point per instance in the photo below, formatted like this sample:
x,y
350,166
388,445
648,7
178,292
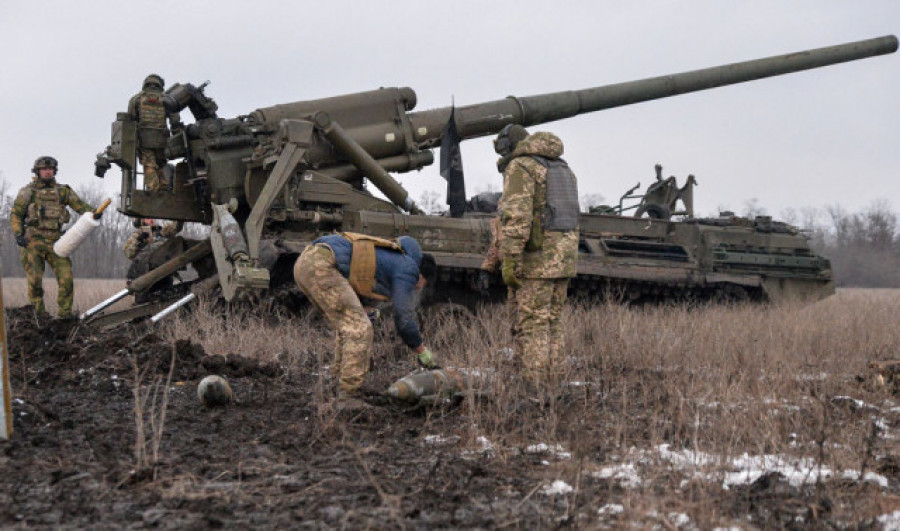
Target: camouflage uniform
x,y
544,259
134,244
39,213
325,274
322,283
148,110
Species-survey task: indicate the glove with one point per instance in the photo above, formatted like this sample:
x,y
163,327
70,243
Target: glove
x,y
509,273
427,359
21,241
98,215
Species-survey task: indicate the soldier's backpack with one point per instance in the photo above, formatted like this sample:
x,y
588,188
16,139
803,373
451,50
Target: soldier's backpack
x,y
562,210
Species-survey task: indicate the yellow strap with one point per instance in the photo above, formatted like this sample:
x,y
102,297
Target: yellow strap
x,y
362,262
354,237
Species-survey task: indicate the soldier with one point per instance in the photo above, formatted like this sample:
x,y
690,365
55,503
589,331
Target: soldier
x,y
37,217
147,108
538,243
335,271
146,233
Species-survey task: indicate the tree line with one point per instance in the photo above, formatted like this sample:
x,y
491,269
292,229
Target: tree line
x,y
864,246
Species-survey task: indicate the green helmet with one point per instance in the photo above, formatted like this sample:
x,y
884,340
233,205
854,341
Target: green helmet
x,y
45,162
154,80
508,138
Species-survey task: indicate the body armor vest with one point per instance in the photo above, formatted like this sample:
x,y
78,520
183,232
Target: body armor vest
x,y
152,120
362,262
562,211
47,210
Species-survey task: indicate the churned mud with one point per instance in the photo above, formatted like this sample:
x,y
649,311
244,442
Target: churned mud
x,y
283,456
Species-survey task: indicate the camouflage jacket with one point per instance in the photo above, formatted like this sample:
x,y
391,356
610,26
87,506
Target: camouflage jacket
x,y
134,244
40,209
522,204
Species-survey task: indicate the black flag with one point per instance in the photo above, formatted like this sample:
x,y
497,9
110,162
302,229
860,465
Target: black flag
x,y
452,167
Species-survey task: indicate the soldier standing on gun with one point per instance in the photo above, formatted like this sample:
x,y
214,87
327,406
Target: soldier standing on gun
x,y
37,217
148,110
335,271
538,244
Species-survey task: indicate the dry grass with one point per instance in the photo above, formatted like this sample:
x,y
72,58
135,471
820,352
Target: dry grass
x,y
720,381
88,292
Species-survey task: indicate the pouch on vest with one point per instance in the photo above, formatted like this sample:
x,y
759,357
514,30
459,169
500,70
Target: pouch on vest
x,y
362,262
152,130
47,210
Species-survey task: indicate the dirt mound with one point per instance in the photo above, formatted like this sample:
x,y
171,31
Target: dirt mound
x,y
84,455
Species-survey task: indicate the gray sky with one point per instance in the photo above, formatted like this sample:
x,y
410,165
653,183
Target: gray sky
x,y
823,137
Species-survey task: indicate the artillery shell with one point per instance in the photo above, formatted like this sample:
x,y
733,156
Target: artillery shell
x,y
420,384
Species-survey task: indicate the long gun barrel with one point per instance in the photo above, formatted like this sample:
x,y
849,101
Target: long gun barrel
x,y
488,118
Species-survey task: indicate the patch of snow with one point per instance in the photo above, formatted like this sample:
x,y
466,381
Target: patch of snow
x,y
813,377
871,477
543,448
558,487
679,519
854,402
685,458
440,439
746,469
626,474
487,449
890,521
611,508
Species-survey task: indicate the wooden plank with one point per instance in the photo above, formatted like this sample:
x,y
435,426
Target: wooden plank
x,y
6,427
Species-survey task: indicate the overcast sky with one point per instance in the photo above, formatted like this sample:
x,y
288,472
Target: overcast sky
x,y
818,138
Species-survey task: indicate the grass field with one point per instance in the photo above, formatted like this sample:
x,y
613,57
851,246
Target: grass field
x,y
88,292
671,416
698,403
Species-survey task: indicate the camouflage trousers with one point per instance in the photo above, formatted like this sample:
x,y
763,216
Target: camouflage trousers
x,y
538,331
33,257
154,163
321,282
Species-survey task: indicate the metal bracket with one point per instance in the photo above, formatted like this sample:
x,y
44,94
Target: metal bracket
x,y
298,135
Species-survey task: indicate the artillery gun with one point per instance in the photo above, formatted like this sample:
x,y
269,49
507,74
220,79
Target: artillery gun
x,y
270,182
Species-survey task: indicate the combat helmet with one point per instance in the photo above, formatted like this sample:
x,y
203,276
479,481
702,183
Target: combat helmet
x,y
45,161
508,138
154,80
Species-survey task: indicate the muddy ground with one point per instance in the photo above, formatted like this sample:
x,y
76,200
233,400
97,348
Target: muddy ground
x,y
281,456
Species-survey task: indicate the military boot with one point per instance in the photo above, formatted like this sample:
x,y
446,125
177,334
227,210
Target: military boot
x,y
350,404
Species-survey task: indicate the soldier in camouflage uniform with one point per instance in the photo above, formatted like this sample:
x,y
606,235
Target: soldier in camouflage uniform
x,y
538,244
147,108
325,274
37,217
148,232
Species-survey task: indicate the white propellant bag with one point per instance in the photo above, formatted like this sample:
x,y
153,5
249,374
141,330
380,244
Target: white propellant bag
x,y
76,235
